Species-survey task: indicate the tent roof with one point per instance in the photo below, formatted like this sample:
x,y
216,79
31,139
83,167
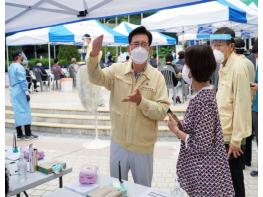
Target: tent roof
x,y
206,13
23,15
158,38
70,33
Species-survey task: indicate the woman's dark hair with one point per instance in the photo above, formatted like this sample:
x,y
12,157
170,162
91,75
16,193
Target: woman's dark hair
x,y
140,30
255,47
201,61
55,60
226,30
169,58
181,54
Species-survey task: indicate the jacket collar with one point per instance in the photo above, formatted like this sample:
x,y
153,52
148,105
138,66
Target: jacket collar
x,y
147,70
230,61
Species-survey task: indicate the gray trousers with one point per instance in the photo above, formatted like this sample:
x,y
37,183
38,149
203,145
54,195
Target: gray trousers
x,y
141,165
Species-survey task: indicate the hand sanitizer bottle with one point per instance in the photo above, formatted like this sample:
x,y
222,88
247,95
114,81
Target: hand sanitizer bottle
x,y
22,166
177,191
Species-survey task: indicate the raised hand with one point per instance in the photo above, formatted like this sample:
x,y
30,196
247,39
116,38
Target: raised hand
x,y
96,46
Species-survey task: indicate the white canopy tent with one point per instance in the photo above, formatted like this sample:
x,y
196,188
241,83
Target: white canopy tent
x,y
158,38
69,33
217,13
24,15
65,34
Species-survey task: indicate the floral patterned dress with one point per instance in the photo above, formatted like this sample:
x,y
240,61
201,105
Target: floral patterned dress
x,y
202,166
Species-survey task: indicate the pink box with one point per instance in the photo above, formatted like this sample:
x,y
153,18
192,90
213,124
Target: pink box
x,y
40,153
88,175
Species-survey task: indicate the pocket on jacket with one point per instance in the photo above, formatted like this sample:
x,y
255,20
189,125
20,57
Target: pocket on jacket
x,y
147,134
147,92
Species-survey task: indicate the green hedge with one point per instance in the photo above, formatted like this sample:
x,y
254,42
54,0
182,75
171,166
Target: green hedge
x,y
44,61
66,53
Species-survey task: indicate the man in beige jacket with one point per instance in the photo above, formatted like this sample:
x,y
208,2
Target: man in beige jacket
x,y
239,50
234,104
138,100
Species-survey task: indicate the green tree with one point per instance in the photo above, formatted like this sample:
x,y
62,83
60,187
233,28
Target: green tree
x,y
66,52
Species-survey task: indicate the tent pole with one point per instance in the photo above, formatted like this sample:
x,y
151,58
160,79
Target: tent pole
x,y
105,51
54,51
7,58
49,65
117,53
35,51
157,54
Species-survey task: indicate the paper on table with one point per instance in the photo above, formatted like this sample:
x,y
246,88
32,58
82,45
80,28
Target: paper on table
x,y
82,189
152,192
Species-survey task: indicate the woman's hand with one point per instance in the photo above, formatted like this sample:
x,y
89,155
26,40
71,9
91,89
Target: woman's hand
x,y
173,125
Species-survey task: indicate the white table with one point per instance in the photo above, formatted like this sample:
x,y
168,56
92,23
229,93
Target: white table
x,y
18,184
134,190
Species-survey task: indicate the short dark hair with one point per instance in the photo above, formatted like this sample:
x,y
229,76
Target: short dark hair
x,y
181,54
255,47
239,45
140,30
169,58
86,36
201,61
56,60
226,30
18,52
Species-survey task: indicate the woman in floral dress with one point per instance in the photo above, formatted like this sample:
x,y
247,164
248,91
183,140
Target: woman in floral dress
x,y
202,167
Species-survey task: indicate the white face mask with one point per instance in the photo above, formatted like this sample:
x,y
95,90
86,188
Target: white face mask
x,y
185,75
219,56
139,55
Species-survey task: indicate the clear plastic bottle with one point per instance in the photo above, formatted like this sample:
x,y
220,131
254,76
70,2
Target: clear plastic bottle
x,y
177,191
22,166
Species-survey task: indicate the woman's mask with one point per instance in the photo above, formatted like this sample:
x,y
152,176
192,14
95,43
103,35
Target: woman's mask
x,y
185,75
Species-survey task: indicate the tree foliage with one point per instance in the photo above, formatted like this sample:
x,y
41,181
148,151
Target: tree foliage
x,y
66,52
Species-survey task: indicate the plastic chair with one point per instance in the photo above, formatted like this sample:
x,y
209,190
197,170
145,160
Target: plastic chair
x,y
168,73
37,74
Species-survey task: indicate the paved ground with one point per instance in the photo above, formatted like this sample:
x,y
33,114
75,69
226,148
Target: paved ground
x,y
78,151
58,99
